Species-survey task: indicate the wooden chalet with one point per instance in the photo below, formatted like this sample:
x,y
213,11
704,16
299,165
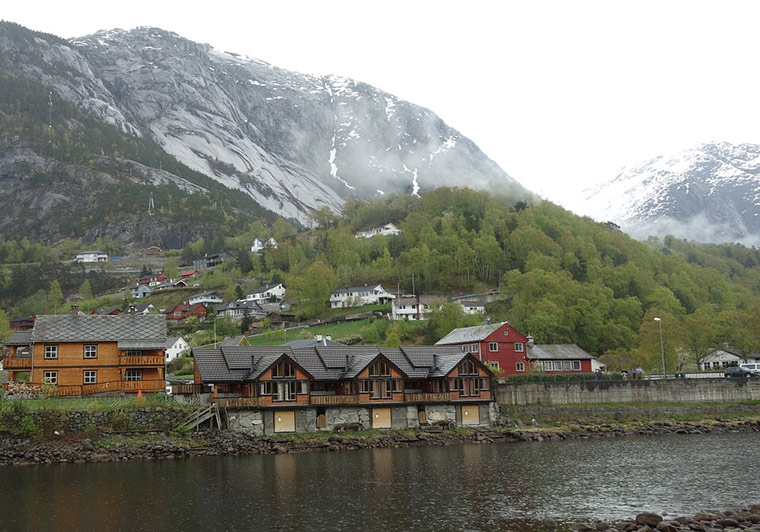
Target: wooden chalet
x,y
80,354
182,312
314,388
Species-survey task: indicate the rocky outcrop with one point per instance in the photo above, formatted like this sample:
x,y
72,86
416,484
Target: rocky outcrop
x,y
741,519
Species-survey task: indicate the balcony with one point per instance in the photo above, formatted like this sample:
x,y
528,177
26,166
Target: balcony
x,y
142,360
427,397
17,363
331,400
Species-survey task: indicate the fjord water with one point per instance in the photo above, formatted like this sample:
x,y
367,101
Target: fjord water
x,y
503,486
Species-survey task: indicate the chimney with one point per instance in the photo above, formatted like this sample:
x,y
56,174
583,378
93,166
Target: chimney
x,y
74,310
530,341
253,361
132,310
435,362
328,337
347,362
318,338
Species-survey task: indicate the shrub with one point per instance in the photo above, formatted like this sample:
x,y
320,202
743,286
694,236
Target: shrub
x,y
29,427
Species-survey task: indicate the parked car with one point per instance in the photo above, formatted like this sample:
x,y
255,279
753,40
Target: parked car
x,y
754,368
737,371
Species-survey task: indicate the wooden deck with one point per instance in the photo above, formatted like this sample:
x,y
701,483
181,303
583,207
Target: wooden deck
x,y
427,397
330,400
112,386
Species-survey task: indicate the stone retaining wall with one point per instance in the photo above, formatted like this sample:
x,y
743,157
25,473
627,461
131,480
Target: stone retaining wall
x,y
62,421
636,391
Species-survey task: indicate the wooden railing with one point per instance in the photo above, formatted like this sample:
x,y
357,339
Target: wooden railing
x,y
111,386
186,388
143,360
427,397
237,402
328,400
17,362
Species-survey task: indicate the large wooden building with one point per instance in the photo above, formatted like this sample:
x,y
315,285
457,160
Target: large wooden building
x,y
81,354
324,386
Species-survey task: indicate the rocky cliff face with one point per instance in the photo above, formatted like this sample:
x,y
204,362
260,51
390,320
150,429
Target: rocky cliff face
x,y
292,142
710,193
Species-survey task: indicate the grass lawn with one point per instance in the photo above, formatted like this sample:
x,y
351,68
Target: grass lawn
x,y
335,331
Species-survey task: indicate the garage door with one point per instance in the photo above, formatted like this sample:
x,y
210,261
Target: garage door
x,y
470,415
285,421
381,418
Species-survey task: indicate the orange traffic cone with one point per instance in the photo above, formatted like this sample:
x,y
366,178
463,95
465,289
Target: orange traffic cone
x,y
139,393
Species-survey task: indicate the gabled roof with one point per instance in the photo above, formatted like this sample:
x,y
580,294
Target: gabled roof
x,y
100,328
557,352
355,288
265,288
470,334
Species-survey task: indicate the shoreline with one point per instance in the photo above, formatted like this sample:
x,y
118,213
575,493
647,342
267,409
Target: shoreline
x,y
113,446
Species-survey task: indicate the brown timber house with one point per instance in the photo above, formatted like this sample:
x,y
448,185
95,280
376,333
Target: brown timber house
x,y
269,389
79,355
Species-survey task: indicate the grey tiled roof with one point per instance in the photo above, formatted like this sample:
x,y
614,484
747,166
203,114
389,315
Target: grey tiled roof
x,y
331,363
362,288
99,328
557,352
469,334
20,338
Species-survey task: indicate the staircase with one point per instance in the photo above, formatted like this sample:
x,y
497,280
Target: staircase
x,y
210,413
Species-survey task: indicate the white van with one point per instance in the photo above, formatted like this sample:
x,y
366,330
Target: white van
x,y
752,367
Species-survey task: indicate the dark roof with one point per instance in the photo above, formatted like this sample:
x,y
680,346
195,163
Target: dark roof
x,y
20,338
100,328
265,288
324,363
557,352
469,334
355,288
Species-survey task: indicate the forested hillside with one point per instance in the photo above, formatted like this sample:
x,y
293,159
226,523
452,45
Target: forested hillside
x,y
561,278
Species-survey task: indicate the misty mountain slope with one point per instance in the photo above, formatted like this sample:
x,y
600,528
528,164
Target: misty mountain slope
x,y
710,193
293,142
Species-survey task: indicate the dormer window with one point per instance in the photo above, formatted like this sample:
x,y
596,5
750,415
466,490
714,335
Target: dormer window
x,y
468,367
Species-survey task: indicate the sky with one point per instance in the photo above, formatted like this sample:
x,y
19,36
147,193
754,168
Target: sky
x,y
561,94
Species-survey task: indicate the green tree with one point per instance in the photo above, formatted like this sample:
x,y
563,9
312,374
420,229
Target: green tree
x,y
444,317
55,296
171,268
700,337
85,290
5,327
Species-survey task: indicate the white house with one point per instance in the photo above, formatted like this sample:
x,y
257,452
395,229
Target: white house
x,y
383,229
409,307
267,292
175,345
206,298
260,243
92,256
473,306
140,291
720,359
237,309
356,296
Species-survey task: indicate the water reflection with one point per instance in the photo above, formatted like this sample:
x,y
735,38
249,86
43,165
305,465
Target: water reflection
x,y
462,487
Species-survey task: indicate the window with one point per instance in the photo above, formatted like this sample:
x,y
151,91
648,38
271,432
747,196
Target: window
x,y
398,385
568,365
363,386
283,370
493,347
51,351
484,383
506,332
494,364
547,365
90,376
90,351
380,389
132,353
557,365
380,369
133,375
455,385
468,368
50,377
520,366
285,391
576,365
470,387
266,388
519,347
474,348
303,387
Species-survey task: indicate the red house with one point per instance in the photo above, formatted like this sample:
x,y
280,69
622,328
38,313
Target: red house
x,y
188,274
182,312
498,345
501,346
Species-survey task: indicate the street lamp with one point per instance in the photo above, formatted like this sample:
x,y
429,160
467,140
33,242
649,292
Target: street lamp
x,y
662,347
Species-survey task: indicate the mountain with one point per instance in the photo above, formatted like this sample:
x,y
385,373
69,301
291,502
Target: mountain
x,y
291,142
710,193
